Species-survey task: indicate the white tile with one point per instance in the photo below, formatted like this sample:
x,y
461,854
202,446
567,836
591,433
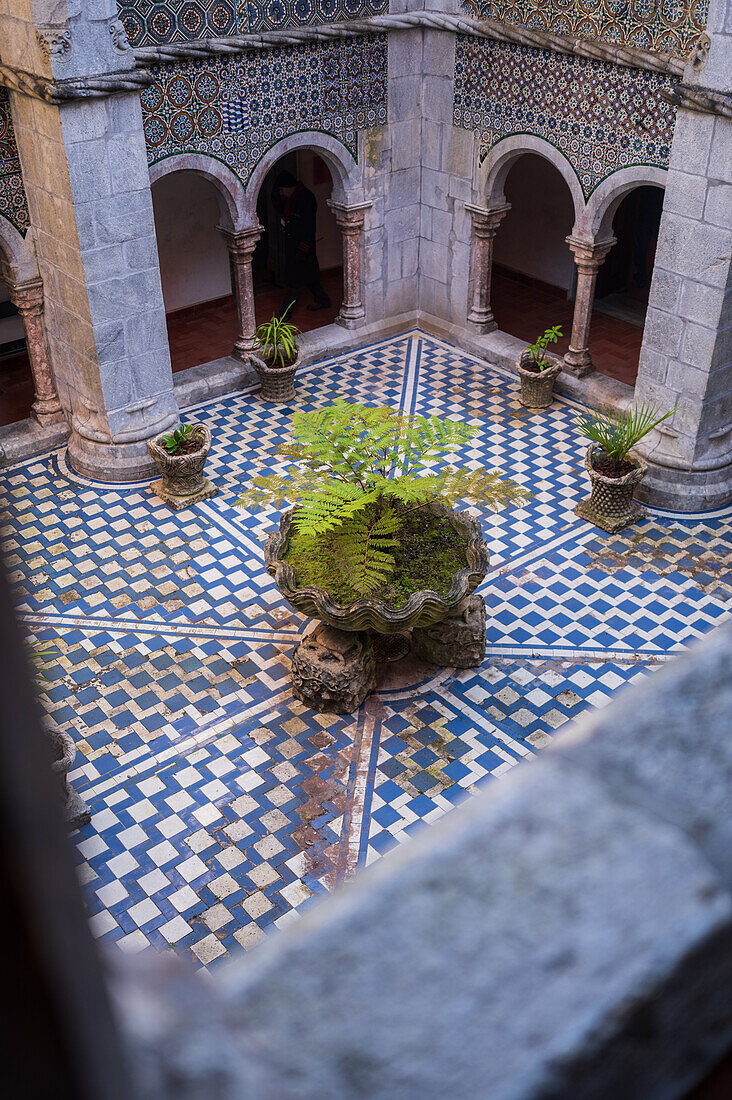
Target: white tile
x,y
175,929
145,911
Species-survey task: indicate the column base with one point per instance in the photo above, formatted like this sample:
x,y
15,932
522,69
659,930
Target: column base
x,y
47,413
482,321
685,490
110,462
578,363
242,352
351,318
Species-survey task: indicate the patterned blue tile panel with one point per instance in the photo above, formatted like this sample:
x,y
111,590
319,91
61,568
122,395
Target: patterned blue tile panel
x,y
13,202
221,805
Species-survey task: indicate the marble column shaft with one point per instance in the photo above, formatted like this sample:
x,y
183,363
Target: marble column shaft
x,y
588,256
486,221
28,299
241,245
350,221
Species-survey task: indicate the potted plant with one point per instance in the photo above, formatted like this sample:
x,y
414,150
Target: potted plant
x,y
614,470
180,457
277,340
538,370
373,542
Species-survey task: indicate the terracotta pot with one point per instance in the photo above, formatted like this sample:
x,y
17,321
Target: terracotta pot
x,y
369,612
64,751
278,383
611,505
183,482
537,388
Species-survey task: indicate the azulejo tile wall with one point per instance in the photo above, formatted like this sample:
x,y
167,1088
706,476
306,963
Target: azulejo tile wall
x,y
236,108
600,116
13,204
669,26
150,24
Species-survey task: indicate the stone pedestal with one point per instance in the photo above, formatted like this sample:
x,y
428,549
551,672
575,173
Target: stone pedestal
x,y
241,245
457,641
350,220
333,670
28,299
485,222
588,256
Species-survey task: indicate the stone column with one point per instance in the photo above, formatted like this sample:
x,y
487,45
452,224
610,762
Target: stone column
x,y
28,298
241,245
686,357
485,222
350,222
85,173
588,256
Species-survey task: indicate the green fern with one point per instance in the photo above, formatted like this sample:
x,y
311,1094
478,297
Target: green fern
x,y
358,472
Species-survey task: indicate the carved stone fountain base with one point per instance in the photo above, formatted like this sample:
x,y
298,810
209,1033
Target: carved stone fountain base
x,y
457,641
334,670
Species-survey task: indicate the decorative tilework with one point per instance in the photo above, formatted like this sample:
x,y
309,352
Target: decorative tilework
x,y
13,204
148,23
222,806
669,26
601,116
236,108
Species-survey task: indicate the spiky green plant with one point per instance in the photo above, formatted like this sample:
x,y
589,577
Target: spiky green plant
x,y
360,472
277,340
618,433
537,351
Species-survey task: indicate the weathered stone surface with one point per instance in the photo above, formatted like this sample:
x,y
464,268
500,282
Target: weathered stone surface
x,y
333,670
183,482
457,641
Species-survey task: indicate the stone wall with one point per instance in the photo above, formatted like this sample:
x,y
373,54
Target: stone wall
x,y
669,26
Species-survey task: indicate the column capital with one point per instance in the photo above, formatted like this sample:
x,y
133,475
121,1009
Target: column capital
x,y
349,215
590,254
486,219
27,296
241,242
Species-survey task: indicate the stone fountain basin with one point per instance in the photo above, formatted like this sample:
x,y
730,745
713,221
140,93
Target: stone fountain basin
x,y
371,613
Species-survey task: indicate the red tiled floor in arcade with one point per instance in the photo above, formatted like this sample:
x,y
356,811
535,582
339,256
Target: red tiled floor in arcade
x,y
525,308
208,331
521,307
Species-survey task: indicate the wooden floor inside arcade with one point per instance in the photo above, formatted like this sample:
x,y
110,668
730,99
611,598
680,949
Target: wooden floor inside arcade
x,y
522,307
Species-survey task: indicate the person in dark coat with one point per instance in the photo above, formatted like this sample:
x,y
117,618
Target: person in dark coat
x,y
297,208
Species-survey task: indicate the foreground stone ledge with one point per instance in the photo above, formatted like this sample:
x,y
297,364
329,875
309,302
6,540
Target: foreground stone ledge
x,y
566,933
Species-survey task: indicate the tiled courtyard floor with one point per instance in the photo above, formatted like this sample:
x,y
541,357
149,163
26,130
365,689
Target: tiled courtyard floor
x,y
221,806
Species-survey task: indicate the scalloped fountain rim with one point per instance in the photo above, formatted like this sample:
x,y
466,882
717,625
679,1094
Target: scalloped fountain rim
x,y
370,613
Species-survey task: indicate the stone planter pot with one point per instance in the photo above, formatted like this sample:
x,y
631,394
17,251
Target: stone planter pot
x,y
183,482
64,750
611,505
537,389
278,383
370,612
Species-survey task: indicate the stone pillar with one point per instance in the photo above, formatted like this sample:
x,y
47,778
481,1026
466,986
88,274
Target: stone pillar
x,y
350,222
241,245
28,299
686,357
588,256
485,222
85,173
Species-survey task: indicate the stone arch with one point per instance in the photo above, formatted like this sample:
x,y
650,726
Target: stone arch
x,y
342,166
501,158
597,219
229,188
18,262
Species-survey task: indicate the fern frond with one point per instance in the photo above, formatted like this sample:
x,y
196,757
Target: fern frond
x,y
328,508
485,488
364,548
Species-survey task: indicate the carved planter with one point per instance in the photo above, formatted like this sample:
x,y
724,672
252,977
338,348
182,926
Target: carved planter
x,y
611,505
183,482
369,612
537,388
278,383
64,750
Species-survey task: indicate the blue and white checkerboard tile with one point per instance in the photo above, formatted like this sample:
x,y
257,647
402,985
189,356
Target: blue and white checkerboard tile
x,y
220,804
